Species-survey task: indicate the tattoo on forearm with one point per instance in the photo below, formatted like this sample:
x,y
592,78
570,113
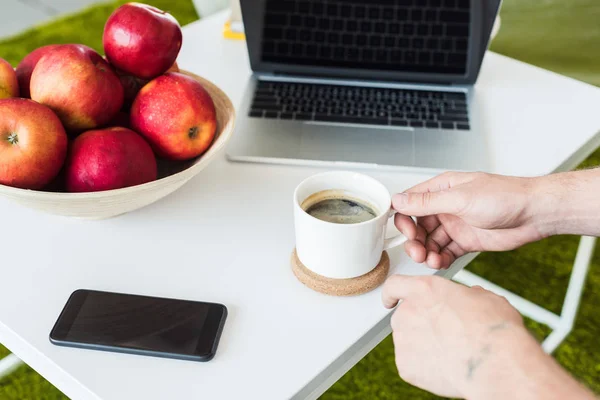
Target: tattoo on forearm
x,y
500,326
474,362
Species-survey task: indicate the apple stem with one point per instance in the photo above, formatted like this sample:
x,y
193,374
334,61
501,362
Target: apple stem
x,y
193,132
13,138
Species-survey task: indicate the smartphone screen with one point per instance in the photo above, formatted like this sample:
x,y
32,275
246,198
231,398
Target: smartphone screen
x,y
140,325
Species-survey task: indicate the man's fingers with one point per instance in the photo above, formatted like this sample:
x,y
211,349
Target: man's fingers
x,y
406,225
434,260
438,257
440,237
434,196
447,259
415,250
428,203
419,288
395,288
430,222
441,182
421,234
454,251
432,246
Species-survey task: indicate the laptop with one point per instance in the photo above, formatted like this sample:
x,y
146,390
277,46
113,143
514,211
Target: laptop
x,y
378,83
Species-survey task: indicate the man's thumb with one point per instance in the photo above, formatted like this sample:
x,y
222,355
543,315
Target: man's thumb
x,y
426,203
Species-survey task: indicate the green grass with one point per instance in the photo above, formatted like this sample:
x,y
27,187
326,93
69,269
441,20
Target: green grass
x,y
563,36
25,383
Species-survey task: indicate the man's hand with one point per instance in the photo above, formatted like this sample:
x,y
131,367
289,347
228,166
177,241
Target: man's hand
x,y
458,213
468,342
443,332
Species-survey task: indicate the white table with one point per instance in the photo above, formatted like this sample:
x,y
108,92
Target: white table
x,y
227,236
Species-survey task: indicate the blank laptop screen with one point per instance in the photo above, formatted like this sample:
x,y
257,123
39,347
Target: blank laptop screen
x,y
427,36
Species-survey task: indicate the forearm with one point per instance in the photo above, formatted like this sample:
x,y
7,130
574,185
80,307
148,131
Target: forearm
x,y
568,203
513,366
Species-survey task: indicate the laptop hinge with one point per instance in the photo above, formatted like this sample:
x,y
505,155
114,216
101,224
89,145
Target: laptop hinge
x,y
328,77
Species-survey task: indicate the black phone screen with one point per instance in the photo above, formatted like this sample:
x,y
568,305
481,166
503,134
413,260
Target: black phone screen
x,y
152,325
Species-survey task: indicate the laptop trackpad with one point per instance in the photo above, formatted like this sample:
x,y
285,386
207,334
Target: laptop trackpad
x,y
374,145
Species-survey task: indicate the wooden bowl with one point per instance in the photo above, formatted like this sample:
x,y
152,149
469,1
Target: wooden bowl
x,y
110,203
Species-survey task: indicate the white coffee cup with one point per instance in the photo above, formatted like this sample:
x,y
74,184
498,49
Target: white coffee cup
x,y
343,250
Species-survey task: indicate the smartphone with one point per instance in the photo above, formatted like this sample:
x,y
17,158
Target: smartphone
x,y
151,326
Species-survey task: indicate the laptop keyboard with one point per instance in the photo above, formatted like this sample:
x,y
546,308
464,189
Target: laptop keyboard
x,y
360,105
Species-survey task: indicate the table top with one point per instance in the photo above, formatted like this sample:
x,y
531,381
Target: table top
x,y
227,236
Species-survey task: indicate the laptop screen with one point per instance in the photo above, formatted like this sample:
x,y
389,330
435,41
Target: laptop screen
x,y
424,36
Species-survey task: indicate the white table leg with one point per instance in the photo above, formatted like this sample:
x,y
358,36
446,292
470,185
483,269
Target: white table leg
x,y
573,296
8,364
561,325
525,307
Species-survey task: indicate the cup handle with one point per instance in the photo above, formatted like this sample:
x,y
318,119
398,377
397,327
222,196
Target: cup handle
x,y
394,241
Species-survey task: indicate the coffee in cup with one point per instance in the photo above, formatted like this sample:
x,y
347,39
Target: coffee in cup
x,y
338,207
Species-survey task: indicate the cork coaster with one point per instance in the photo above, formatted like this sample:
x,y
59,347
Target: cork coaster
x,y
342,287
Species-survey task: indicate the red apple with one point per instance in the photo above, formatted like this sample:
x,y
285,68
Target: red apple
x,y
26,66
176,115
106,159
33,144
78,85
141,40
9,86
